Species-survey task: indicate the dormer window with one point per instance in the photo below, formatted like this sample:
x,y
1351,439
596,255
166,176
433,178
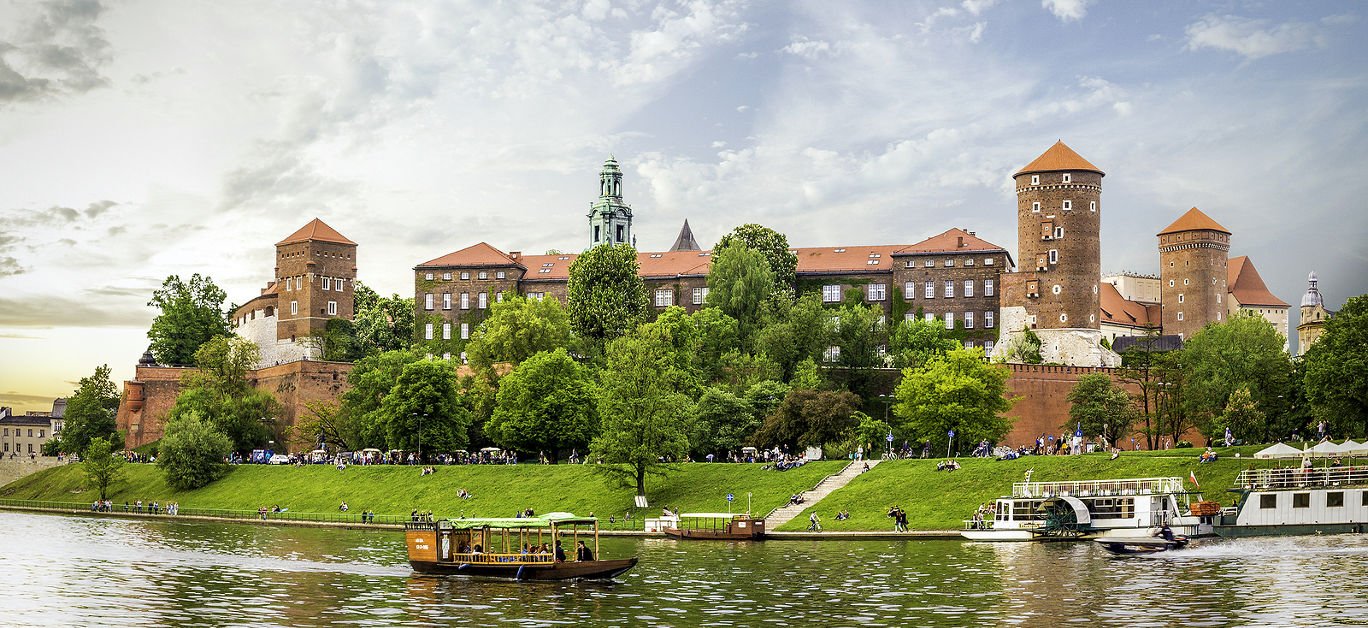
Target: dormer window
x,y
872,262
838,251
563,257
876,255
548,264
654,255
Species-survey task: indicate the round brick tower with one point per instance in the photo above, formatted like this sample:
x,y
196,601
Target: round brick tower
x,y
1193,259
1058,239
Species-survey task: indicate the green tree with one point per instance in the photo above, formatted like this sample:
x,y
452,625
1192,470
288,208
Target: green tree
x,y
546,404
872,433
914,341
1024,348
861,335
381,323
1098,406
773,245
424,408
956,391
220,393
807,376
716,334
517,329
326,423
102,467
739,371
796,331
1245,351
643,417
371,381
1142,368
1174,419
91,412
810,418
740,283
338,341
605,296
1336,378
1240,416
192,453
191,314
724,422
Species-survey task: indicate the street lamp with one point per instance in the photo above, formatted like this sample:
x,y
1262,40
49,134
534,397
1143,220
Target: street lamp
x,y
420,418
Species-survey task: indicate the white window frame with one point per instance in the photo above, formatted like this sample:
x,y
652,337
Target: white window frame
x,y
1068,178
968,320
1180,297
427,331
498,297
949,288
909,290
1092,206
465,331
1068,205
289,283
1058,232
427,301
928,317
664,297
831,293
1054,256
327,283
988,319
950,263
294,308
930,289
465,300
987,261
483,301
446,331
428,276
876,291
500,274
949,320
988,347
484,274
929,264
1035,207
1035,179
698,296
968,288
988,287
446,301
445,276
332,308
969,261
465,274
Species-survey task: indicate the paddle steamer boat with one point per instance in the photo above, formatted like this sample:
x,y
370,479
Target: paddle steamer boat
x,y
1094,509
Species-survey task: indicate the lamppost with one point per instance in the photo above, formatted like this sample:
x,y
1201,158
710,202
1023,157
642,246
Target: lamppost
x,y
420,418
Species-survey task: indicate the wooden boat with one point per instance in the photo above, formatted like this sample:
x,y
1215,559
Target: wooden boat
x,y
494,548
715,526
1141,544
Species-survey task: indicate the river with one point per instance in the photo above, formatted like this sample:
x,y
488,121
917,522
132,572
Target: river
x,y
88,571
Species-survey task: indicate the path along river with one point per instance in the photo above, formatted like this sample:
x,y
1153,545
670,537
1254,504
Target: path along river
x,y
87,571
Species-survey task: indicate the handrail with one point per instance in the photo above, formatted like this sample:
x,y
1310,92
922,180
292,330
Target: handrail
x,y
1093,488
1301,477
503,558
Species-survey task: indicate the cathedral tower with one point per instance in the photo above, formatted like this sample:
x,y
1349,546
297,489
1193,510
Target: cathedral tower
x,y
1193,260
610,219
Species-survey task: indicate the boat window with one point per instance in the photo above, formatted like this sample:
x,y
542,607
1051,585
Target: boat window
x,y
1268,500
1301,500
1365,498
1334,499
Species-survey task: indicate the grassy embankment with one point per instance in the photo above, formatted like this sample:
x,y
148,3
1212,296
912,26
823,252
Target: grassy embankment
x,y
940,500
499,491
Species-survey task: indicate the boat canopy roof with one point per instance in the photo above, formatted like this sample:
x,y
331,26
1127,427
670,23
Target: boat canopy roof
x,y
712,515
544,521
1080,509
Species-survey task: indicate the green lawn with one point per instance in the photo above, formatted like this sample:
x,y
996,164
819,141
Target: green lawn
x,y
499,491
939,500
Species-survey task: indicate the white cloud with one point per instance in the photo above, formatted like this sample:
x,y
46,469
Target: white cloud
x,y
977,7
1067,10
1252,38
807,48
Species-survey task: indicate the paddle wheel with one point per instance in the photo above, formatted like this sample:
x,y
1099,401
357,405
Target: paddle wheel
x,y
1060,520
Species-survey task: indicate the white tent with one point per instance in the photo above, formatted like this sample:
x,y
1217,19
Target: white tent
x,y
1351,448
1326,449
1280,450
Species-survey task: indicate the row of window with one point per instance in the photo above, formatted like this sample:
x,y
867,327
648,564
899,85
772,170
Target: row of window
x,y
1066,206
833,353
20,432
332,308
949,317
1333,499
446,331
19,447
481,300
465,274
326,283
949,262
664,297
831,293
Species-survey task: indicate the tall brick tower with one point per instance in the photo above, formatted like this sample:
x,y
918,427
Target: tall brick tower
x,y
315,272
1059,246
1193,254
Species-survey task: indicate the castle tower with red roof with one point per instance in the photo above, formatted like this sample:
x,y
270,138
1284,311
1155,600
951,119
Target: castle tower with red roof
x,y
1193,254
315,274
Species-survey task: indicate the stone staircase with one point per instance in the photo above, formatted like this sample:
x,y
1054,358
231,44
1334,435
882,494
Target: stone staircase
x,y
783,514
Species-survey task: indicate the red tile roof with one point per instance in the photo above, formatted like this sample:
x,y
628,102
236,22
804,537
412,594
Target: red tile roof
x,y
316,230
1244,283
1194,220
1117,310
952,241
659,264
1059,157
481,254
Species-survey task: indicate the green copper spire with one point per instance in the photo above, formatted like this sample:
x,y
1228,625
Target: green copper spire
x,y
610,219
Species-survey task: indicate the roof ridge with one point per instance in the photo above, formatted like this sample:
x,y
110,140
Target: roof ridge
x,y
1059,157
1194,220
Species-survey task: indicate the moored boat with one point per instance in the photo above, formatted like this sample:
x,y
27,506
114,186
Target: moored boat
x,y
1298,500
1091,509
500,548
714,526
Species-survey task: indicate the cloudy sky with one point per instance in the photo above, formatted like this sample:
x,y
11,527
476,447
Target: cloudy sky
x,y
140,139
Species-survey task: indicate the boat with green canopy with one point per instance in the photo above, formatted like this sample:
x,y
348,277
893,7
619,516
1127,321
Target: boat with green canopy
x,y
522,548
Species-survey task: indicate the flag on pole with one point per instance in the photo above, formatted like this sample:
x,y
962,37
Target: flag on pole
x,y
1193,476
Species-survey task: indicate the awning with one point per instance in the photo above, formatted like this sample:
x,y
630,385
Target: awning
x,y
1080,509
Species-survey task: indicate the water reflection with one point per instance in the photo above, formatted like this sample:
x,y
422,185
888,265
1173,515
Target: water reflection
x,y
89,571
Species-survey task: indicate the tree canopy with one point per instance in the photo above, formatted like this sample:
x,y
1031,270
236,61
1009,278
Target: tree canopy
x,y
221,395
1336,378
606,297
91,412
643,417
192,452
810,418
546,404
102,468
517,329
380,323
740,283
956,391
914,341
773,245
372,380
1244,351
424,406
191,314
1099,406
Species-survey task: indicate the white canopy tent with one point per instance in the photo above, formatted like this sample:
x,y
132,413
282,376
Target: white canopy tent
x,y
1351,448
1327,449
1280,450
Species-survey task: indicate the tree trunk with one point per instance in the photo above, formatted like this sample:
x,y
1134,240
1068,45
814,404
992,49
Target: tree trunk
x,y
641,480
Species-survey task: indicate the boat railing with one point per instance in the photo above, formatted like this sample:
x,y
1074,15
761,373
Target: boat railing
x,y
504,558
1098,488
1301,477
978,524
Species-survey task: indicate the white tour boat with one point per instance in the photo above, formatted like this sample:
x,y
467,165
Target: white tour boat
x,y
1306,500
1093,509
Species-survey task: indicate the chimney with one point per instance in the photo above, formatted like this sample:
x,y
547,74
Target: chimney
x,y
961,242
514,255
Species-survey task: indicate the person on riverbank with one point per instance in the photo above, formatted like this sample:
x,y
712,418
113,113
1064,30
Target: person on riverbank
x,y
814,523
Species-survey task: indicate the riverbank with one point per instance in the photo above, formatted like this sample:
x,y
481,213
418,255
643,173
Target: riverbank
x,y
936,501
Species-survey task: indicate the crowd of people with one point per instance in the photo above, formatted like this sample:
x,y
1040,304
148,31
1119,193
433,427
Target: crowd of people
x,y
985,512
153,508
899,517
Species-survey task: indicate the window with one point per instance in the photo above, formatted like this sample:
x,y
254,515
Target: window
x,y
987,261
876,291
1180,297
483,301
465,274
700,295
1056,289
427,331
909,290
1268,500
664,297
445,277
429,276
327,283
1068,205
294,308
968,288
1063,318
968,344
332,308
1054,256
1092,206
40,435
832,354
596,233
543,270
483,274
1301,500
987,347
872,262
465,300
929,264
498,298
500,275
988,319
930,317
1333,499
1058,232
1180,316
446,331
949,289
987,287
968,320
1035,207
465,331
969,262
446,301
536,295
930,289
831,294
1170,281
1068,178
1035,179
288,282
949,320
446,355
949,263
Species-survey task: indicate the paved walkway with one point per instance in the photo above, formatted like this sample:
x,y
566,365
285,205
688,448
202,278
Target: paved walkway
x,y
786,513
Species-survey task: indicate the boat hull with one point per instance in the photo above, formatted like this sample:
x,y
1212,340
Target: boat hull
x,y
997,535
712,535
1291,529
1140,545
578,570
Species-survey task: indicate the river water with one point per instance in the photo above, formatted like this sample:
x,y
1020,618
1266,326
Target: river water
x,y
87,571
